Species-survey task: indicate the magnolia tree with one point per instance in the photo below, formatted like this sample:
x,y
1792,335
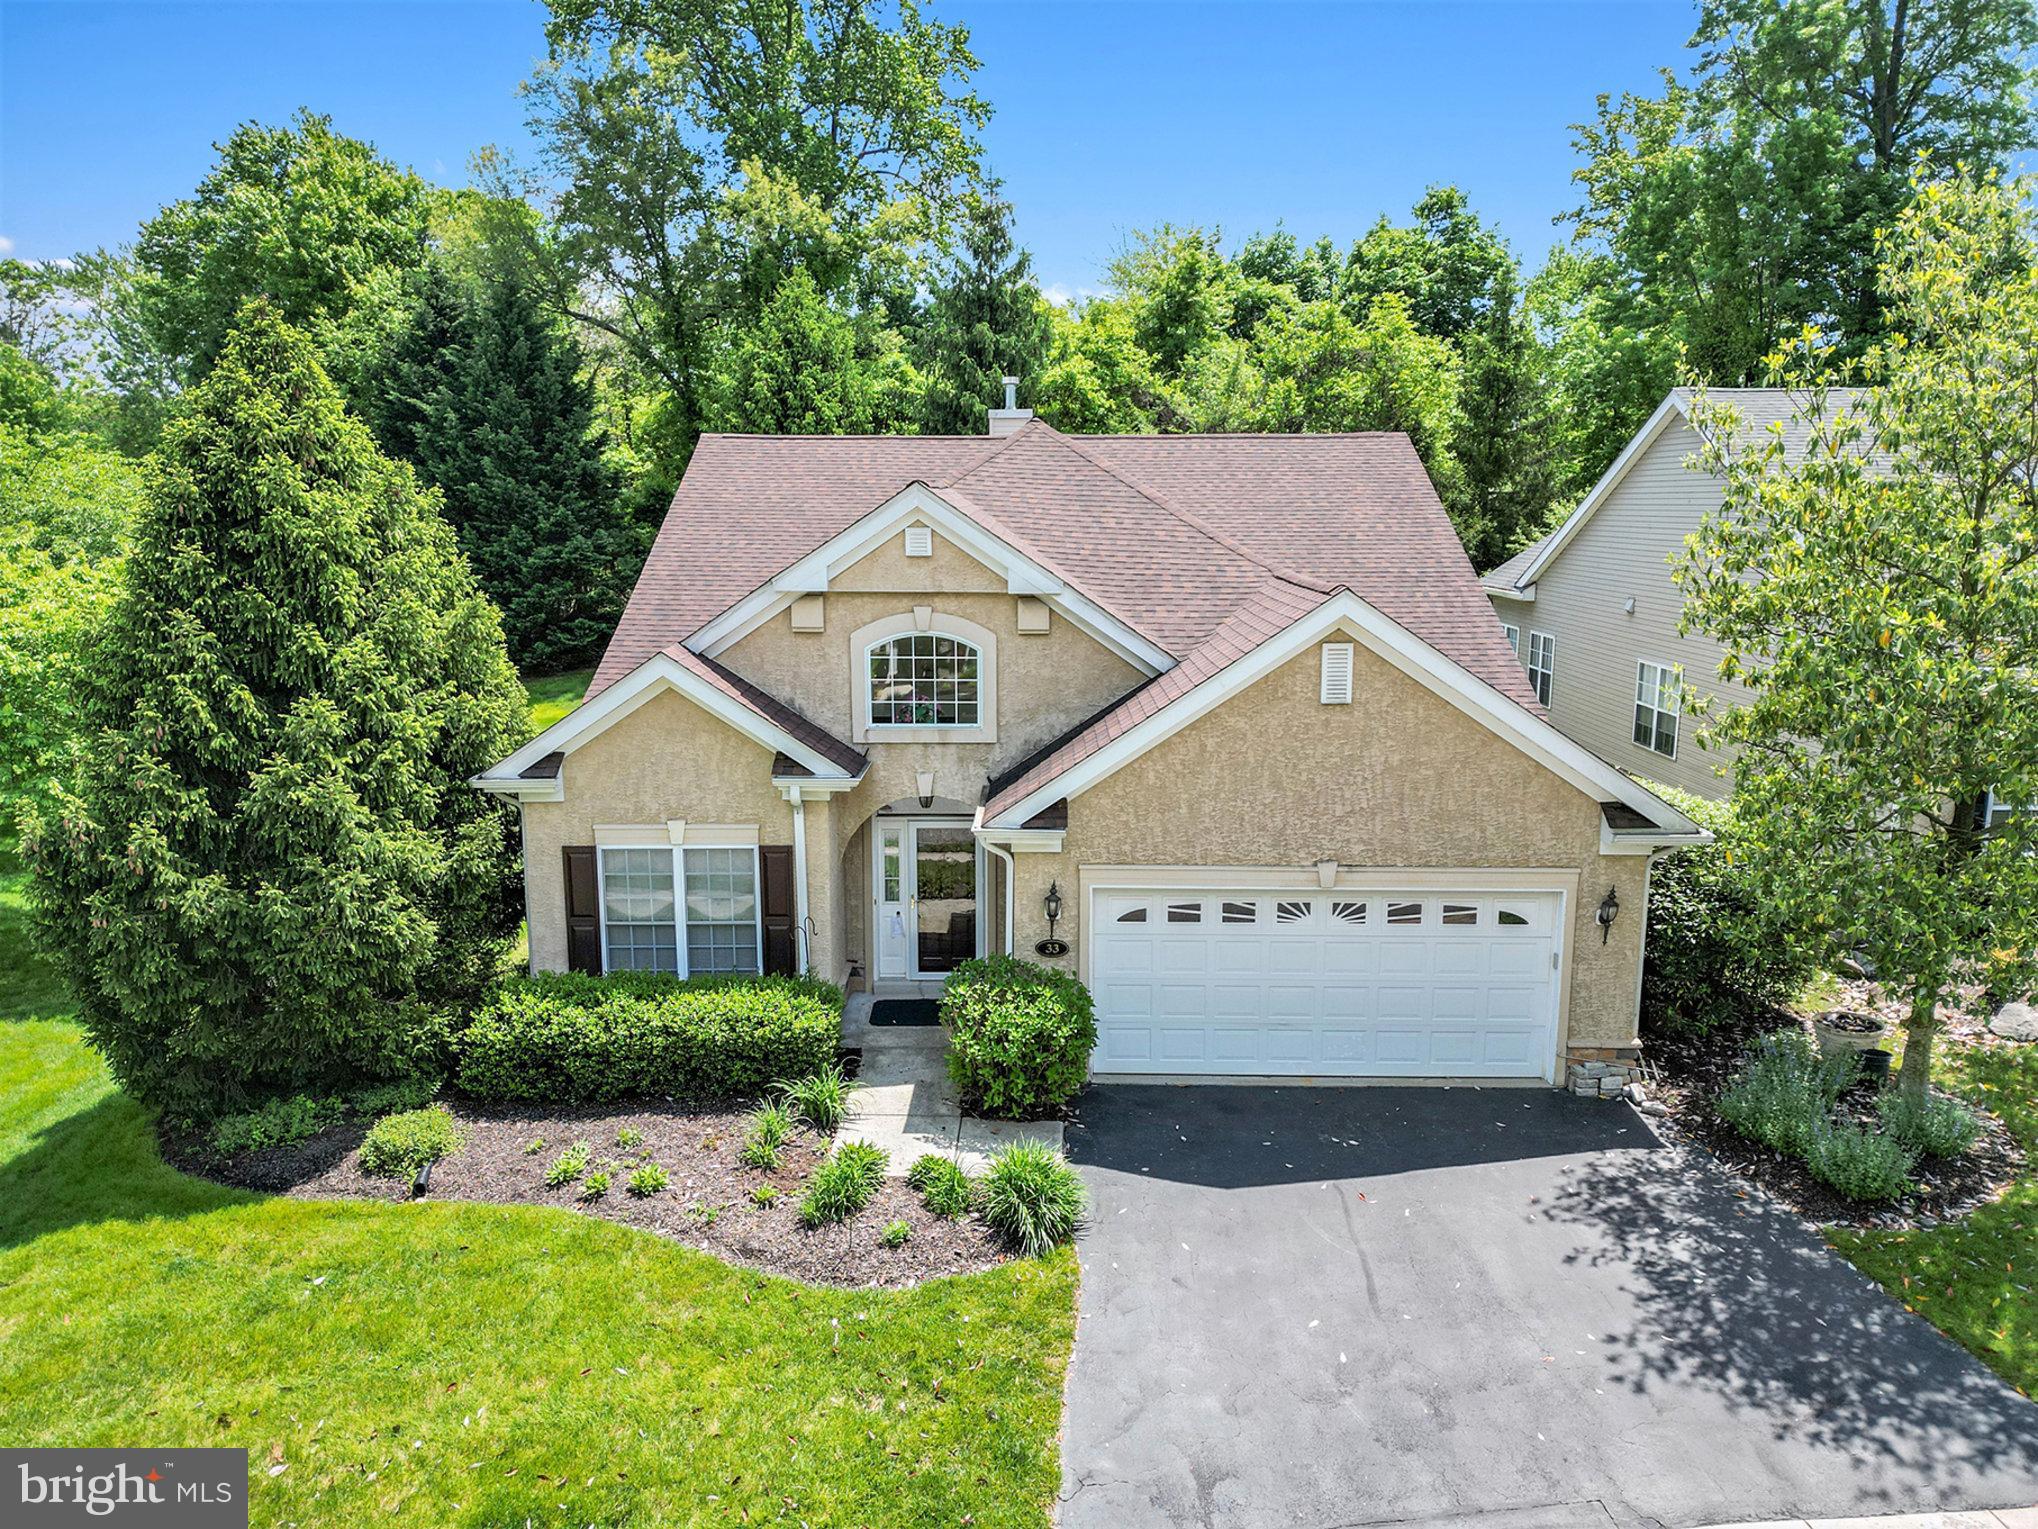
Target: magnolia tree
x,y
1875,584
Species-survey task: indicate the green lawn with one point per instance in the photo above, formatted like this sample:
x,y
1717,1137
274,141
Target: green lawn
x,y
1977,1279
471,1365
554,695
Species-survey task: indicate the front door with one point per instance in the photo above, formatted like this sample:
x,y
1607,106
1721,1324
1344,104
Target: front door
x,y
942,868
894,943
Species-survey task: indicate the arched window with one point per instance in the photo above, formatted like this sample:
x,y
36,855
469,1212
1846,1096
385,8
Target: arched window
x,y
924,679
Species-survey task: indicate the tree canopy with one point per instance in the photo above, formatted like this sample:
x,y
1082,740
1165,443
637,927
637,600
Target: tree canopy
x,y
1877,592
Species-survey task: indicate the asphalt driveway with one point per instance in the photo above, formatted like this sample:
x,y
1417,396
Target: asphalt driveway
x,y
1501,1308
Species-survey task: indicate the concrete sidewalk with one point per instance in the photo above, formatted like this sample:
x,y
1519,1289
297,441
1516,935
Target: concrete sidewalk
x,y
2002,1518
907,1104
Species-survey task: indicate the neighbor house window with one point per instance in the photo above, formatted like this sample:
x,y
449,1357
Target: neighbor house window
x,y
1513,636
2000,811
1542,664
1656,708
642,918
923,679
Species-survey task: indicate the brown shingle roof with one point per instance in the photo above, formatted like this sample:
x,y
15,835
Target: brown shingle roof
x,y
1174,535
847,758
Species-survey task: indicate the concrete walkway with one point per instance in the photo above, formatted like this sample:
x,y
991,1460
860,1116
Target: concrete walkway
x,y
907,1105
2006,1518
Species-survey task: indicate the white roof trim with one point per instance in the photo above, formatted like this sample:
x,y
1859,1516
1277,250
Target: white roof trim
x,y
1671,408
917,502
650,679
1347,612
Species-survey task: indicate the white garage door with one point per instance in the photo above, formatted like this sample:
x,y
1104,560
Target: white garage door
x,y
1355,984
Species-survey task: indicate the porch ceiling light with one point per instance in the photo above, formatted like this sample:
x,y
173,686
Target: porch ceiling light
x,y
925,780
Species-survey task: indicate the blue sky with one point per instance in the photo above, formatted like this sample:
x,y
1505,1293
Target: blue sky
x,y
1110,117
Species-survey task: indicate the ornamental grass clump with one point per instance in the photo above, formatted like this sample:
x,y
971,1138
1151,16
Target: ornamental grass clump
x,y
1020,1036
397,1146
821,1098
765,1134
941,1184
1032,1197
843,1184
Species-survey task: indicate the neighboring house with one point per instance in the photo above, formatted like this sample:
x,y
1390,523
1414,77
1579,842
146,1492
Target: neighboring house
x,y
1221,723
1593,614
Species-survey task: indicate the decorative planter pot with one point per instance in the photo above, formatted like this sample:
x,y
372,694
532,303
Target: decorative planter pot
x,y
1840,1031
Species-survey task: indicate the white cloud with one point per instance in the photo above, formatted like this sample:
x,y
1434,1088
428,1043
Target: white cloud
x,y
6,245
1062,297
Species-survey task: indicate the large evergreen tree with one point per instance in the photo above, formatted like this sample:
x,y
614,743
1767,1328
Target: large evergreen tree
x,y
986,322
269,868
484,393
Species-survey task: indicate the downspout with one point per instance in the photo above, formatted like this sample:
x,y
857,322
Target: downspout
x,y
799,877
1011,888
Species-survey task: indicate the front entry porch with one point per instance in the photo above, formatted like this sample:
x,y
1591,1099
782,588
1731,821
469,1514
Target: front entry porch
x,y
906,1103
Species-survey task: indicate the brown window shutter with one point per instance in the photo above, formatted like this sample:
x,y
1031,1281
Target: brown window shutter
x,y
775,873
583,909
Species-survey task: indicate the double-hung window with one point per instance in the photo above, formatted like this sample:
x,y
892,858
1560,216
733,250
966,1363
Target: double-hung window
x,y
688,911
1542,664
2000,811
1657,704
1513,635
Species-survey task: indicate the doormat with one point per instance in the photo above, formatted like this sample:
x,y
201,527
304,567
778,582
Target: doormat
x,y
905,1011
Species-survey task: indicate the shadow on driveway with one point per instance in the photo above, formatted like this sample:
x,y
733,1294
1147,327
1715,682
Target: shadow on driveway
x,y
1320,1307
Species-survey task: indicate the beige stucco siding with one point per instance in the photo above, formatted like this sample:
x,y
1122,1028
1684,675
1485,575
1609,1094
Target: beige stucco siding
x,y
1624,552
1046,683
1401,778
667,759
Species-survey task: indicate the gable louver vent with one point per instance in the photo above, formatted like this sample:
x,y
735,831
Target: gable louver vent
x,y
919,542
1337,674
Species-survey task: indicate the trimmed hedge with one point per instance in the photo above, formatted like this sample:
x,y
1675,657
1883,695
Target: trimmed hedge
x,y
1020,1036
1717,953
570,1038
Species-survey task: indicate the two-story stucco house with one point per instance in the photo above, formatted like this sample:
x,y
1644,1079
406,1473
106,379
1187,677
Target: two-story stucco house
x,y
1222,723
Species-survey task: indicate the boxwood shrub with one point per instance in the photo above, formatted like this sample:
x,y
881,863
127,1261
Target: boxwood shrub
x,y
1717,953
1020,1036
570,1038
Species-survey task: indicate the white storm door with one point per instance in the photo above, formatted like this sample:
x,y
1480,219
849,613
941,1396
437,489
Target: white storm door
x,y
888,875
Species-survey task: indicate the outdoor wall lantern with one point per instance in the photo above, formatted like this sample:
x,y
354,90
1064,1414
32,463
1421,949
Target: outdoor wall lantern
x,y
924,779
1051,905
1609,910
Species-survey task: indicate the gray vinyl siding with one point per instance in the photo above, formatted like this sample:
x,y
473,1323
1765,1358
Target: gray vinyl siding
x,y
1624,551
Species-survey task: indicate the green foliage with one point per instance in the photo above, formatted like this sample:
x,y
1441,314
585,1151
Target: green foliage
x,y
270,873
765,1134
66,504
830,140
942,1185
986,321
567,1166
821,1098
397,1146
1860,1164
629,1137
1717,950
1874,593
534,1146
1032,1197
648,1180
896,1234
1450,269
301,216
483,392
764,1196
1020,1035
277,1123
843,1183
806,367
595,1185
164,1278
1785,1092
552,696
573,1038
1934,1127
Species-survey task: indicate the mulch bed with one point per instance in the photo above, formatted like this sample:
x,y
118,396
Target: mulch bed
x,y
707,1205
1691,1072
